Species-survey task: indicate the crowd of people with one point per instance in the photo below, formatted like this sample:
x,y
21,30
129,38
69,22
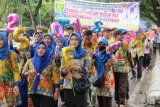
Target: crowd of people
x,y
38,76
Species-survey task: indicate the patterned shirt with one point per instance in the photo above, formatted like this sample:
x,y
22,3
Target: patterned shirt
x,y
49,79
9,74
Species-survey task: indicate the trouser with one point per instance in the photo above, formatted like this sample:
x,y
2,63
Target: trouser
x,y
120,87
139,62
154,47
43,101
127,90
23,93
158,44
104,101
146,60
77,100
62,95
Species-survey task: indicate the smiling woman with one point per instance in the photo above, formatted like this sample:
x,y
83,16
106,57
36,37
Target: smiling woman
x,y
9,75
43,78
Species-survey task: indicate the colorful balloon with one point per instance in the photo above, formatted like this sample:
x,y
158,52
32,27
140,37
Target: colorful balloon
x,y
97,28
23,40
56,29
77,26
63,22
66,57
12,21
115,45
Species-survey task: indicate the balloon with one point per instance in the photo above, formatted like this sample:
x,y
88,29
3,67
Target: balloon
x,y
77,26
97,28
115,46
66,57
12,21
23,40
54,26
63,22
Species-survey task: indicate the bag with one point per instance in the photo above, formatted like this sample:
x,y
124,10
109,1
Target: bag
x,y
99,82
81,85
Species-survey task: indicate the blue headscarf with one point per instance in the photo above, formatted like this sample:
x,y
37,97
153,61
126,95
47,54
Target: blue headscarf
x,y
40,63
101,58
79,51
52,46
36,43
28,37
4,51
64,42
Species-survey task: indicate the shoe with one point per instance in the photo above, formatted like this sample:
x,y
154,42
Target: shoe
x,y
63,104
127,96
121,105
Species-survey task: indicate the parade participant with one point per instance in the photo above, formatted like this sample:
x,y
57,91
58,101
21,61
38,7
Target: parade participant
x,y
137,49
123,59
89,46
103,64
87,41
33,43
9,74
66,35
23,56
69,29
43,78
157,39
95,38
61,42
107,34
79,67
147,53
48,39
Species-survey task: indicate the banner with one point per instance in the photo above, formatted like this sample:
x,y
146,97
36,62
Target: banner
x,y
143,25
120,15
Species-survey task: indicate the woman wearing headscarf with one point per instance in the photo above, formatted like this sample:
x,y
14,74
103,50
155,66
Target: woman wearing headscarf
x,y
137,49
60,43
9,74
23,56
37,37
79,66
103,62
49,40
43,78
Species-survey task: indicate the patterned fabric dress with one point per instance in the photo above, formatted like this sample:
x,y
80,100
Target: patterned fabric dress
x,y
108,87
49,79
9,73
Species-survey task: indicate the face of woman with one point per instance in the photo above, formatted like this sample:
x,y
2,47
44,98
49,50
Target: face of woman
x,y
36,38
1,43
47,40
41,50
73,41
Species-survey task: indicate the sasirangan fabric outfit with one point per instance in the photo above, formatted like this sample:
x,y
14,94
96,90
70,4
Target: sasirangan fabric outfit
x,y
121,68
83,63
9,75
23,57
45,81
106,92
33,48
137,47
58,62
91,95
